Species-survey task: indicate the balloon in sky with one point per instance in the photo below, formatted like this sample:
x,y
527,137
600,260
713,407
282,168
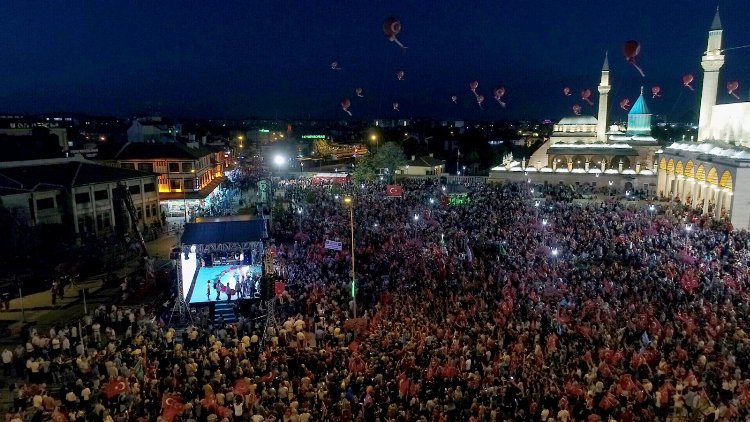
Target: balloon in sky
x,y
586,96
687,79
400,75
335,66
480,100
454,99
732,88
625,104
473,86
359,92
566,91
345,104
577,110
391,28
395,106
631,49
499,92
655,91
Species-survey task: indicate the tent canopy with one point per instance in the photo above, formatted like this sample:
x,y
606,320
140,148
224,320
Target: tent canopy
x,y
224,232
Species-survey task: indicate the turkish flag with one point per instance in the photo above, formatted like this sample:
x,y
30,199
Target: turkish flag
x,y
394,191
115,387
278,288
171,406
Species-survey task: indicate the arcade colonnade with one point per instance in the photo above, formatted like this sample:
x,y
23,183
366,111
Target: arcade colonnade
x,y
704,186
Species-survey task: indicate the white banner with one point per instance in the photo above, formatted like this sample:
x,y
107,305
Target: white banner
x,y
331,244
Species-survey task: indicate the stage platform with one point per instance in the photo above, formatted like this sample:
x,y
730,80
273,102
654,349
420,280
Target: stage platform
x,y
199,293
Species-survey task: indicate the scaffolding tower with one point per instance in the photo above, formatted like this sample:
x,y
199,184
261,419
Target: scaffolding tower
x,y
180,307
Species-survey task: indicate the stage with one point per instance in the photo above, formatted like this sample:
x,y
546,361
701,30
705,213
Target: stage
x,y
228,275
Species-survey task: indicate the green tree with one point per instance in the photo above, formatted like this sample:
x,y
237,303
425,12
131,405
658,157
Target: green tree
x,y
390,156
366,169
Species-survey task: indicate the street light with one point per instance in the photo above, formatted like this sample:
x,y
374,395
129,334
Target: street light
x,y
350,202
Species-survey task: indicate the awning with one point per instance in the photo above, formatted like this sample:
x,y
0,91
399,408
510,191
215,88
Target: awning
x,y
201,194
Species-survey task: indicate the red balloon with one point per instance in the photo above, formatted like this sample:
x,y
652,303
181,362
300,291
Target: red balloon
x,y
391,28
345,104
687,79
480,100
577,110
625,104
499,92
400,75
586,95
395,106
566,91
454,99
335,66
732,88
359,92
474,85
655,91
631,49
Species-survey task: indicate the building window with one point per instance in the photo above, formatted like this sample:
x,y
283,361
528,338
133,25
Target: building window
x,y
45,203
161,164
174,167
148,211
146,167
139,213
188,184
101,195
148,187
174,184
187,167
135,189
83,198
130,166
154,210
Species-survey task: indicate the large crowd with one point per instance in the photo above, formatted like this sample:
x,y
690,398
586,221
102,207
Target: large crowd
x,y
516,306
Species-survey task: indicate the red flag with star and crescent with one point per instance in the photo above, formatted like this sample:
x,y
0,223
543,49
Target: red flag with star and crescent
x,y
171,406
394,191
115,387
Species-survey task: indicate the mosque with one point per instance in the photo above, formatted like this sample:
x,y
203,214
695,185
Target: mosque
x,y
706,174
701,174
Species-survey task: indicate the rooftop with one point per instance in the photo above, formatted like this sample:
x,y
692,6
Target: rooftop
x,y
67,174
578,120
152,151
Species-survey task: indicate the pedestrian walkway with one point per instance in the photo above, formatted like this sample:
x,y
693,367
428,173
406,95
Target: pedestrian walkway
x,y
37,308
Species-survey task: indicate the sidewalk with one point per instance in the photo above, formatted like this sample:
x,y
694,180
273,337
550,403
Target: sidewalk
x,y
38,308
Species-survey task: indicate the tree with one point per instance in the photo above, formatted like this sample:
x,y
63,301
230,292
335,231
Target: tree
x,y
390,156
366,169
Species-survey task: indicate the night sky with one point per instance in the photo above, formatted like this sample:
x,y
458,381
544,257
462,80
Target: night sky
x,y
272,58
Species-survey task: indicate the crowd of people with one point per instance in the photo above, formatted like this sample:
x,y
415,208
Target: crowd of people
x,y
515,306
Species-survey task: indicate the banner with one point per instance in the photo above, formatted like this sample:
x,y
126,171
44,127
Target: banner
x,y
331,244
394,191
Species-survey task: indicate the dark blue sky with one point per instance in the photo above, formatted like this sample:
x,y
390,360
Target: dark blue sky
x,y
271,58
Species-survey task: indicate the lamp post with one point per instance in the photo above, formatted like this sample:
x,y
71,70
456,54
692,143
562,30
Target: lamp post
x,y
349,201
279,160
299,214
544,231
